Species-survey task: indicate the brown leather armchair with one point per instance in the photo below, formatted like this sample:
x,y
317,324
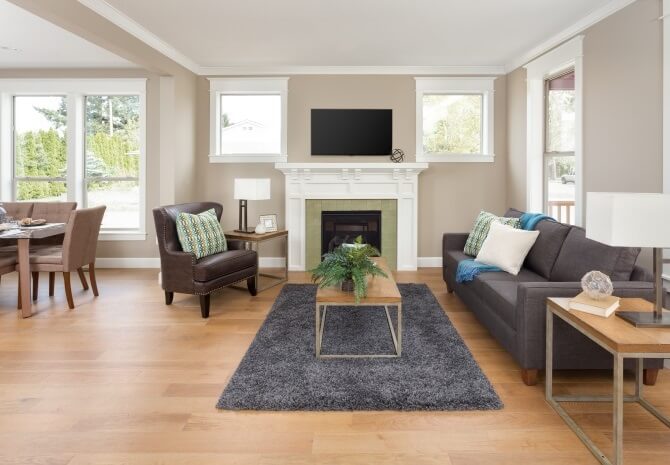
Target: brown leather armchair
x,y
182,272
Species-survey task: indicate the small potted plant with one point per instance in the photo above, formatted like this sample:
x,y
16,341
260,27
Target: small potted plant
x,y
348,266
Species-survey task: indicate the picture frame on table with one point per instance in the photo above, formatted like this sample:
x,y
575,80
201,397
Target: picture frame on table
x,y
269,221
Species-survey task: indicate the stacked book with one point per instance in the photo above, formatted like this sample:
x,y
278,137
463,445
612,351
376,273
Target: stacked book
x,y
604,307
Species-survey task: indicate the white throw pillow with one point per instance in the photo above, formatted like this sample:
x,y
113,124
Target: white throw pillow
x,y
506,247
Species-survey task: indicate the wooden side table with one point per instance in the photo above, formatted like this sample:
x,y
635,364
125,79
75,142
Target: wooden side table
x,y
252,241
622,340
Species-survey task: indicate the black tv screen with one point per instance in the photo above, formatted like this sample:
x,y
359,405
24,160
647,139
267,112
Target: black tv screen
x,y
351,132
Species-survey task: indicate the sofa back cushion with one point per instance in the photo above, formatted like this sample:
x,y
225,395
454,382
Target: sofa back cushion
x,y
544,253
580,255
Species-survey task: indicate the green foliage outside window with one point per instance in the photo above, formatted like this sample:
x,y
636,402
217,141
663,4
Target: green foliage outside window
x,y
459,126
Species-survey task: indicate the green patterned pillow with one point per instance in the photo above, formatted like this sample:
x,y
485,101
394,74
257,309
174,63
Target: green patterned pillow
x,y
481,229
200,234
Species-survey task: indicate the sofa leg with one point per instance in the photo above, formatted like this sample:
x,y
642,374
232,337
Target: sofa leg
x,y
204,306
529,377
169,296
252,285
649,376
449,289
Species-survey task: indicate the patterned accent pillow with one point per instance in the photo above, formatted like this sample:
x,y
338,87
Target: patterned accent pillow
x,y
481,229
201,234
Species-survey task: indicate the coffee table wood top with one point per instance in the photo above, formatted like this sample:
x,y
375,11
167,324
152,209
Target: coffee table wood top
x,y
253,237
380,289
617,334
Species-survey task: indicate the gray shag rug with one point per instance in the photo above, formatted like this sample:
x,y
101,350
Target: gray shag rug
x,y
280,371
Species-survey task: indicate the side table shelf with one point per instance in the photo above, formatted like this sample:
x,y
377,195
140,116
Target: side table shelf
x,y
253,241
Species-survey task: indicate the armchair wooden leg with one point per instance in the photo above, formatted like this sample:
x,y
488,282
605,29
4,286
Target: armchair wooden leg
x,y
52,283
36,284
91,275
82,278
649,376
204,306
68,289
252,285
169,296
529,377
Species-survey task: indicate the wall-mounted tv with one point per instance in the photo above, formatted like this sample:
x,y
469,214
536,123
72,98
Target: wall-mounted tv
x,y
352,132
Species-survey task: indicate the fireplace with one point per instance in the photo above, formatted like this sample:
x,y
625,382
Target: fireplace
x,y
339,227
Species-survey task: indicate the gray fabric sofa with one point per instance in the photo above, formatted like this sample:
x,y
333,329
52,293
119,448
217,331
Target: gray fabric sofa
x,y
513,308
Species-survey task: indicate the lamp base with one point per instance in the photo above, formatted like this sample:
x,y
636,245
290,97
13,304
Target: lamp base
x,y
646,319
246,231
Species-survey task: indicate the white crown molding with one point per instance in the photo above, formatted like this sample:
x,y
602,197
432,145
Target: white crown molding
x,y
123,21
355,70
567,33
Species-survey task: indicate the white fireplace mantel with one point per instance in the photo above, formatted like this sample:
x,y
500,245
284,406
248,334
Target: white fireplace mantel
x,y
398,181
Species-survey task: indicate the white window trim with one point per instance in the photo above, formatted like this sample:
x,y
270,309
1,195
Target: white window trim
x,y
483,86
563,57
245,86
75,91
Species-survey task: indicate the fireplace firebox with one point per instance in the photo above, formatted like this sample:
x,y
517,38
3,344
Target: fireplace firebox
x,y
340,227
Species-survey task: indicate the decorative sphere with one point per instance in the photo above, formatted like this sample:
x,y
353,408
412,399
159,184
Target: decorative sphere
x,y
597,285
260,228
397,156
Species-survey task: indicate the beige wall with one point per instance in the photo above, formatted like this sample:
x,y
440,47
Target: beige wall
x,y
450,195
622,107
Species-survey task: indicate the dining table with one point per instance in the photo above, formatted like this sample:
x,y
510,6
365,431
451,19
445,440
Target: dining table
x,y
22,236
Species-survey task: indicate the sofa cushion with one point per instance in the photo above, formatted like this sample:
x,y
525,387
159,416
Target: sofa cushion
x,y
580,255
222,264
500,295
480,230
513,213
544,253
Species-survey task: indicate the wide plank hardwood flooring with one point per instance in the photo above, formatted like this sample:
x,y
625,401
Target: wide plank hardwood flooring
x,y
124,379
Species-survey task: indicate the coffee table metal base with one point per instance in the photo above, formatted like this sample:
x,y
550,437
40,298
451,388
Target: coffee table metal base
x,y
320,320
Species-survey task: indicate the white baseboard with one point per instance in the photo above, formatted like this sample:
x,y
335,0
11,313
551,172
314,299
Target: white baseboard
x,y
154,262
430,262
130,262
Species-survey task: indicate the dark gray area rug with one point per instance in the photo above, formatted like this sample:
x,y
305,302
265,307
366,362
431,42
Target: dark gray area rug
x,y
280,371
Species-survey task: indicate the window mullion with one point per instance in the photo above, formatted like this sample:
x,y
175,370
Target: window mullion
x,y
75,142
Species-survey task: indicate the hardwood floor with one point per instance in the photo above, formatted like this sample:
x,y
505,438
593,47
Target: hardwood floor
x,y
124,379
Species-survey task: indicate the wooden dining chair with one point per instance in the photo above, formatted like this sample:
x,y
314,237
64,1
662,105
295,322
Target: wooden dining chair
x,y
78,250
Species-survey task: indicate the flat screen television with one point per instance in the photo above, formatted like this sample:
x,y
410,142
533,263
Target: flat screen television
x,y
352,132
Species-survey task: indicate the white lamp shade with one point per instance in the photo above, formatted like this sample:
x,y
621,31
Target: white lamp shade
x,y
252,189
628,220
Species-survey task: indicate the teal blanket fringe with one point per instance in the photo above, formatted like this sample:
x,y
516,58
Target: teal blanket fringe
x,y
468,270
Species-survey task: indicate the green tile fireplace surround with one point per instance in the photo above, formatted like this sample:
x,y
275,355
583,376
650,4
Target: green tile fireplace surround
x,y
314,207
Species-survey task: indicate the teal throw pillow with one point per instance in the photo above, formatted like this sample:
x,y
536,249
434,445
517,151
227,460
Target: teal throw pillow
x,y
480,230
200,234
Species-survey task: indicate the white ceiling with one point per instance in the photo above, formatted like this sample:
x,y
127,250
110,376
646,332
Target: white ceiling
x,y
216,33
28,41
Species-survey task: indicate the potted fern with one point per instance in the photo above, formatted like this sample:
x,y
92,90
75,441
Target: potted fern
x,y
348,266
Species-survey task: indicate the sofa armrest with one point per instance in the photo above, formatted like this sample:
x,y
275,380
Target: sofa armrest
x,y
235,244
531,309
454,241
641,274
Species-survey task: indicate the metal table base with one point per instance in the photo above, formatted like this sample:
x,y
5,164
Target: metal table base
x,y
618,398
320,323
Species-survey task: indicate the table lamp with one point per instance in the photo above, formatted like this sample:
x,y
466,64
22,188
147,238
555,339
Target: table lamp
x,y
249,189
634,220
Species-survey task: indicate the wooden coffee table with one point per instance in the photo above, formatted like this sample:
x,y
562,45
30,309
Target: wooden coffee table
x,y
382,292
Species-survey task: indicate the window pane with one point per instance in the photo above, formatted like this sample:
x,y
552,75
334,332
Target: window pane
x,y
122,199
39,136
251,124
49,191
560,182
452,123
112,136
560,132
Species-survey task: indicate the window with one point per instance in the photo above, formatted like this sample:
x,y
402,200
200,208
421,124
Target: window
x,y
454,119
79,140
40,155
559,146
554,133
248,120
